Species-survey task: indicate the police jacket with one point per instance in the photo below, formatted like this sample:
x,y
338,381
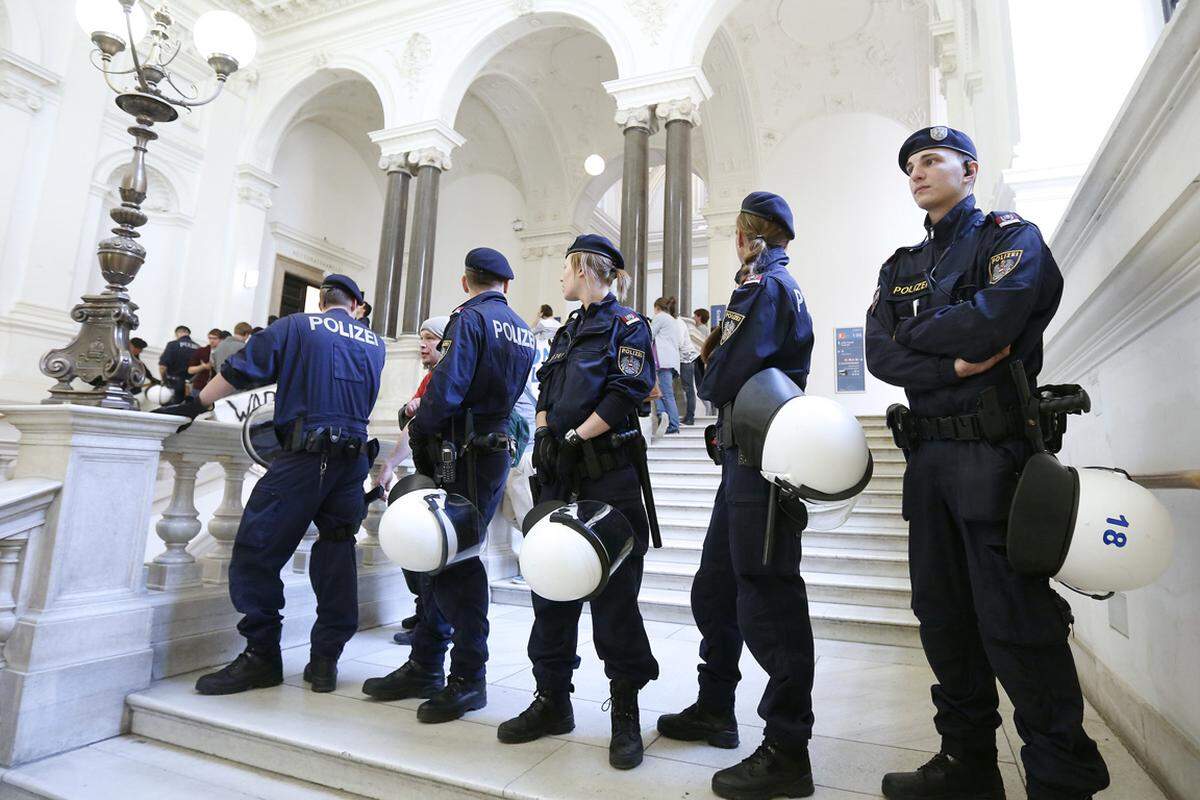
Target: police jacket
x,y
487,352
327,366
177,355
978,283
766,324
600,361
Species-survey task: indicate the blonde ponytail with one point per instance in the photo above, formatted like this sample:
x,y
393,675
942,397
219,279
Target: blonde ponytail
x,y
761,233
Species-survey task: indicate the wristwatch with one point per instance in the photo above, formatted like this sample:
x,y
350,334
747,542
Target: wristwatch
x,y
572,437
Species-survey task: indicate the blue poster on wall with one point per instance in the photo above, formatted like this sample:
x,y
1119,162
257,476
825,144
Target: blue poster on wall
x,y
716,313
850,360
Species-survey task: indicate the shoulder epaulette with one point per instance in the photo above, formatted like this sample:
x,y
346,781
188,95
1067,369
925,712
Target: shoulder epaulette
x,y
1005,218
631,318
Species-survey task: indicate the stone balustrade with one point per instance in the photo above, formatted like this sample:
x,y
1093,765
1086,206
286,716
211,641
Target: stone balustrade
x,y
23,507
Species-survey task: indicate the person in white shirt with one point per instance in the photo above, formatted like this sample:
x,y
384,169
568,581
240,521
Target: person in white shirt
x,y
688,353
698,331
668,341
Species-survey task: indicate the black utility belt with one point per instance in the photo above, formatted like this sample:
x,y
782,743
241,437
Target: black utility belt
x,y
606,453
333,442
908,429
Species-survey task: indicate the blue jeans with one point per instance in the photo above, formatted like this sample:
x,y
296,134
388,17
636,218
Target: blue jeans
x,y
689,391
666,382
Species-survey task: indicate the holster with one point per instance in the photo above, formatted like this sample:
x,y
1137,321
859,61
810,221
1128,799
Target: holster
x,y
710,444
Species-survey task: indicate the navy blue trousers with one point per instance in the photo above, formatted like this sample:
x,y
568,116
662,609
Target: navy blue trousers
x,y
617,628
736,599
981,621
455,601
284,502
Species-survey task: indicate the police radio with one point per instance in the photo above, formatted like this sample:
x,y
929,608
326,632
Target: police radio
x,y
447,456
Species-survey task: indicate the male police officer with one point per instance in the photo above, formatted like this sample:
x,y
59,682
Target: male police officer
x,y
486,356
947,316
173,363
327,366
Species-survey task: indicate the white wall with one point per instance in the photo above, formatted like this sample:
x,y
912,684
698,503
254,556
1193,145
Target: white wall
x,y
852,210
477,211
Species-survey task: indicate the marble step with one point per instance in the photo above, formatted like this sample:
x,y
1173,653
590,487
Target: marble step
x,y
845,537
840,621
885,563
862,590
135,768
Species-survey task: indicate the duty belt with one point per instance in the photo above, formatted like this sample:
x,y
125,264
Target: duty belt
x,y
332,442
908,429
605,454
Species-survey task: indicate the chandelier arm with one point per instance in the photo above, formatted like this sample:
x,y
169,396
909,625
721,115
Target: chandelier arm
x,y
106,63
108,76
206,101
185,95
178,48
137,64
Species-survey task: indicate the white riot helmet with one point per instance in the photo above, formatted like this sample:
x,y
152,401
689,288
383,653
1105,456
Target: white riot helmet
x,y
259,439
570,551
812,447
1092,529
425,529
159,395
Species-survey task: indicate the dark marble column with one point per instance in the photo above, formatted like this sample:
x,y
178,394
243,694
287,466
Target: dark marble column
x,y
635,199
419,288
385,315
680,117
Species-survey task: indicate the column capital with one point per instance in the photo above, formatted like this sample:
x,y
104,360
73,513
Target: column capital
x,y
394,162
660,88
429,157
637,117
255,186
684,109
417,138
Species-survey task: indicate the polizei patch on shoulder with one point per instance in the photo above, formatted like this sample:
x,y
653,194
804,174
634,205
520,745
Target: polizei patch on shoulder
x,y
1001,264
729,324
631,360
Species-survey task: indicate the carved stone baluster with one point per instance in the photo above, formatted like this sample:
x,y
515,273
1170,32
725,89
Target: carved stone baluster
x,y
10,561
175,567
225,520
302,559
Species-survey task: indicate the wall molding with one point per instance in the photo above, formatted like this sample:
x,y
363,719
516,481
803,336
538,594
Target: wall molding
x,y
314,251
1167,754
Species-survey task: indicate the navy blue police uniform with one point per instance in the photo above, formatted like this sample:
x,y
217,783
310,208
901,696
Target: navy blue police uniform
x,y
175,357
487,351
327,367
977,284
600,362
735,598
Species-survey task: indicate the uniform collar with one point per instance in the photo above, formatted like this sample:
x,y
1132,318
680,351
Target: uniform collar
x,y
339,308
771,258
950,227
491,294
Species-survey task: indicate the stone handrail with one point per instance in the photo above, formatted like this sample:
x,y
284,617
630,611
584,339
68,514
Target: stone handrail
x,y
23,507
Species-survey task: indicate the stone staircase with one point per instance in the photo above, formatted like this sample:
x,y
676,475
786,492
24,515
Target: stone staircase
x,y
857,575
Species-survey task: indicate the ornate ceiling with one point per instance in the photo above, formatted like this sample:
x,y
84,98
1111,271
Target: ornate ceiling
x,y
266,15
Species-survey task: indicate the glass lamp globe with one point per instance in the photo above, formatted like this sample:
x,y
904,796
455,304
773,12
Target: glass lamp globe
x,y
224,33
107,16
593,164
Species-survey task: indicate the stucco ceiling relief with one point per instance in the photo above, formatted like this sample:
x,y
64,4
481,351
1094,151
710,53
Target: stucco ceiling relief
x,y
413,62
652,14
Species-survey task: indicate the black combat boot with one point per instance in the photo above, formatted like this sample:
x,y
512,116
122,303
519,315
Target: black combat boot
x,y
550,714
769,772
250,670
945,777
694,724
625,749
321,672
459,697
408,681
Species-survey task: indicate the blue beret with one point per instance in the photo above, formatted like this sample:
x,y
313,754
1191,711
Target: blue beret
x,y
595,243
937,136
344,282
770,206
493,262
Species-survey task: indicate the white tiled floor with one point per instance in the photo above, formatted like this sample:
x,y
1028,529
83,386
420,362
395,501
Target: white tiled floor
x,y
873,715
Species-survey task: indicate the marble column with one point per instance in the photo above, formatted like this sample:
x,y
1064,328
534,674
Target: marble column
x,y
638,124
429,164
386,312
680,117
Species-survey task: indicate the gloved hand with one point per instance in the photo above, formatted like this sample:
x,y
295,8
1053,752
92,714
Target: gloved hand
x,y
422,454
570,453
190,407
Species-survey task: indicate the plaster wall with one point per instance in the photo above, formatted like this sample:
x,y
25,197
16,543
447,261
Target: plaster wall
x,y
852,209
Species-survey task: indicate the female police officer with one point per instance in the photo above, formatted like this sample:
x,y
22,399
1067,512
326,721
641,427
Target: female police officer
x,y
599,371
735,597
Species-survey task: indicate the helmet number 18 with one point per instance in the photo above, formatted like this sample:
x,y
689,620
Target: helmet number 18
x,y
1116,538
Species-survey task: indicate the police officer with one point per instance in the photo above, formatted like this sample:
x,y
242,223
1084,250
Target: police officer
x,y
599,372
486,356
735,597
173,363
948,317
327,366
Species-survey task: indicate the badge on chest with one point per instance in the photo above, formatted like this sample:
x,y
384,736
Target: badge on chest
x,y
631,360
911,289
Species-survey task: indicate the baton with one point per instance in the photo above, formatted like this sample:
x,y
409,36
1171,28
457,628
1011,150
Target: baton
x,y
643,471
769,533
